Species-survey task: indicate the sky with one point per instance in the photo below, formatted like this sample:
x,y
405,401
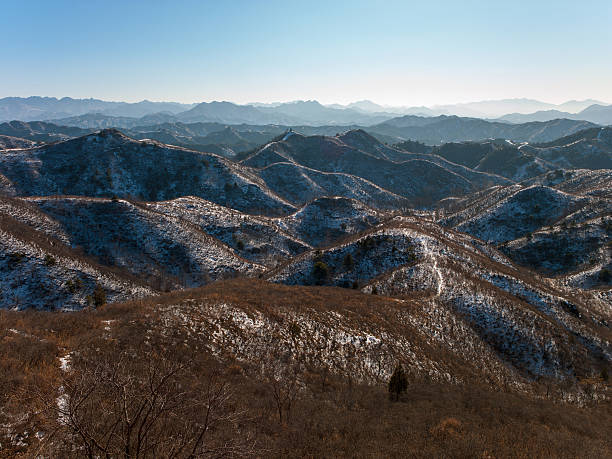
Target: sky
x,y
391,52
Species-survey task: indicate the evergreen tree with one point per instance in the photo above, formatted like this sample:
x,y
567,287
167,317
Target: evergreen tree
x,y
398,382
320,271
348,261
99,296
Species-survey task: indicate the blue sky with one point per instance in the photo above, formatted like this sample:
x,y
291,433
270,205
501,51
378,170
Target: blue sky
x,y
392,52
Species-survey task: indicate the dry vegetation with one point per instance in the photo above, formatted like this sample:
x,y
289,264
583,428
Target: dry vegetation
x,y
118,381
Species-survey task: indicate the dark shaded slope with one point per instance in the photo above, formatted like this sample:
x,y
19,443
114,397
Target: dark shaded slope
x,y
108,163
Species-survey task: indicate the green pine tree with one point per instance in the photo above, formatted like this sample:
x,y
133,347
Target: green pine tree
x,y
348,262
398,382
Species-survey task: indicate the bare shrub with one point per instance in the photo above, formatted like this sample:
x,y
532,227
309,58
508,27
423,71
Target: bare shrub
x,y
120,404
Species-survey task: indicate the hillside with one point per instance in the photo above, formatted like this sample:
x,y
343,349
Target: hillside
x,y
228,141
164,250
370,160
524,210
186,241
39,131
108,164
40,271
256,238
319,263
442,129
12,143
284,366
299,185
328,219
557,223
587,149
515,312
516,162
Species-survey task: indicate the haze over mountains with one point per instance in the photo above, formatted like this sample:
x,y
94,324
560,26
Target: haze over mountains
x,y
482,109
293,113
44,108
596,113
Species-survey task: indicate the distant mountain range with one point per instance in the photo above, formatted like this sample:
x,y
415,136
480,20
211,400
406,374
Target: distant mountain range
x,y
300,112
233,140
481,109
99,114
510,110
442,129
46,108
596,113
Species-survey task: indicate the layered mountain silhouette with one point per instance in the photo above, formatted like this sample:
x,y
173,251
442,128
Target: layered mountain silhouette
x,y
101,114
595,113
46,108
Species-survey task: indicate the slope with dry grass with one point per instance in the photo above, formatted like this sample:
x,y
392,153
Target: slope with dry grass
x,y
307,394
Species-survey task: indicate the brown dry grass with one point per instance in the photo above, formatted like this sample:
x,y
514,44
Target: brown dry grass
x,y
332,415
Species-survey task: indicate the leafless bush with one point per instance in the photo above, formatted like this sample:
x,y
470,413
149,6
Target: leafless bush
x,y
120,404
284,383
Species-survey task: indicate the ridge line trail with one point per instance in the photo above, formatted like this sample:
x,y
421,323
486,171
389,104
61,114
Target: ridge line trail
x,y
434,262
63,400
440,278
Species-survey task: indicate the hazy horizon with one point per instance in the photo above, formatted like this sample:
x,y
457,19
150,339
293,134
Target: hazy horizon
x,y
392,53
275,102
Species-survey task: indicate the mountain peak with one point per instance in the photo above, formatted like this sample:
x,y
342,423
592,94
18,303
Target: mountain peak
x,y
111,132
358,135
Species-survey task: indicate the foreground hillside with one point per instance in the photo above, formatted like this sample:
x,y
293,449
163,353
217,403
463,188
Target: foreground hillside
x,y
279,370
